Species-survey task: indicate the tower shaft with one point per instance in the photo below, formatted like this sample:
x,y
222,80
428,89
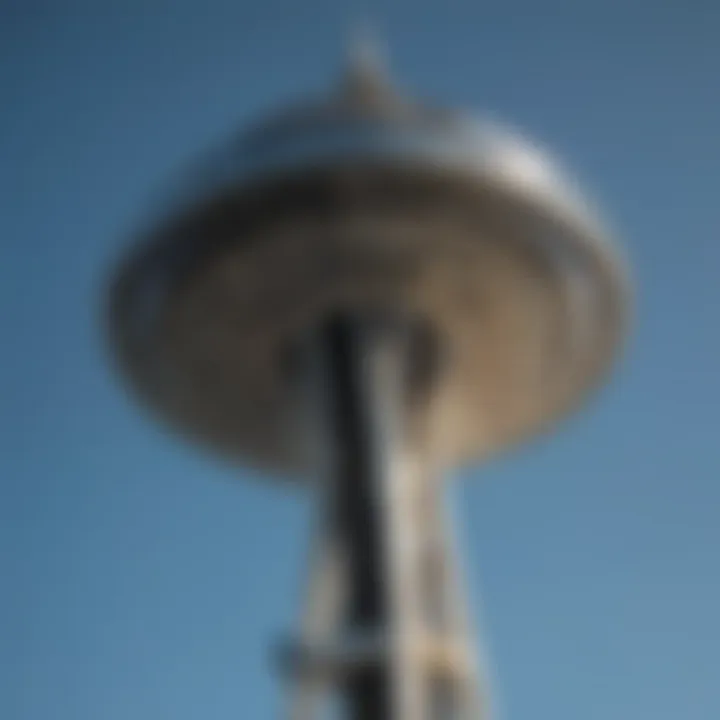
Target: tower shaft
x,y
384,626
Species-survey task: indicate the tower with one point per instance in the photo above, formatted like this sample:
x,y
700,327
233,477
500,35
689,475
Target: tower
x,y
359,293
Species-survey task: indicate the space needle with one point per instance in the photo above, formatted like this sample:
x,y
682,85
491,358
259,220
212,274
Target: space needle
x,y
360,293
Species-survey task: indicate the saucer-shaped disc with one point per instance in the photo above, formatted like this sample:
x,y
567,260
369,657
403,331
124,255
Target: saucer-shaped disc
x,y
369,202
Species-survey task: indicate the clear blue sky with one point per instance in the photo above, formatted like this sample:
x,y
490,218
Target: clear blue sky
x,y
139,578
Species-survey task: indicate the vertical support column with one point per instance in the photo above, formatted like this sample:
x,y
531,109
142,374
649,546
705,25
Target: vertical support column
x,y
383,377
367,358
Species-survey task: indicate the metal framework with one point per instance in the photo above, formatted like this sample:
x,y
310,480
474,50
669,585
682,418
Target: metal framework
x,y
384,620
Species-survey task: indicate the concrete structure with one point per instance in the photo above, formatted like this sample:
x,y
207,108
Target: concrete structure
x,y
360,293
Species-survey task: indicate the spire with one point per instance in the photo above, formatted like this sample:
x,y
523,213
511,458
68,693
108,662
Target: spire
x,y
365,75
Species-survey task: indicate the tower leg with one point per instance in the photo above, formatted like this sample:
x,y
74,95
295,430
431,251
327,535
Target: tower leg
x,y
320,624
459,689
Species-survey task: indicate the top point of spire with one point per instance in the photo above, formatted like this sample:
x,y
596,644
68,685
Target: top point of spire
x,y
364,49
365,62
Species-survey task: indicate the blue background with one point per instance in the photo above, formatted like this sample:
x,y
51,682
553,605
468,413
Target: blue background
x,y
139,578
